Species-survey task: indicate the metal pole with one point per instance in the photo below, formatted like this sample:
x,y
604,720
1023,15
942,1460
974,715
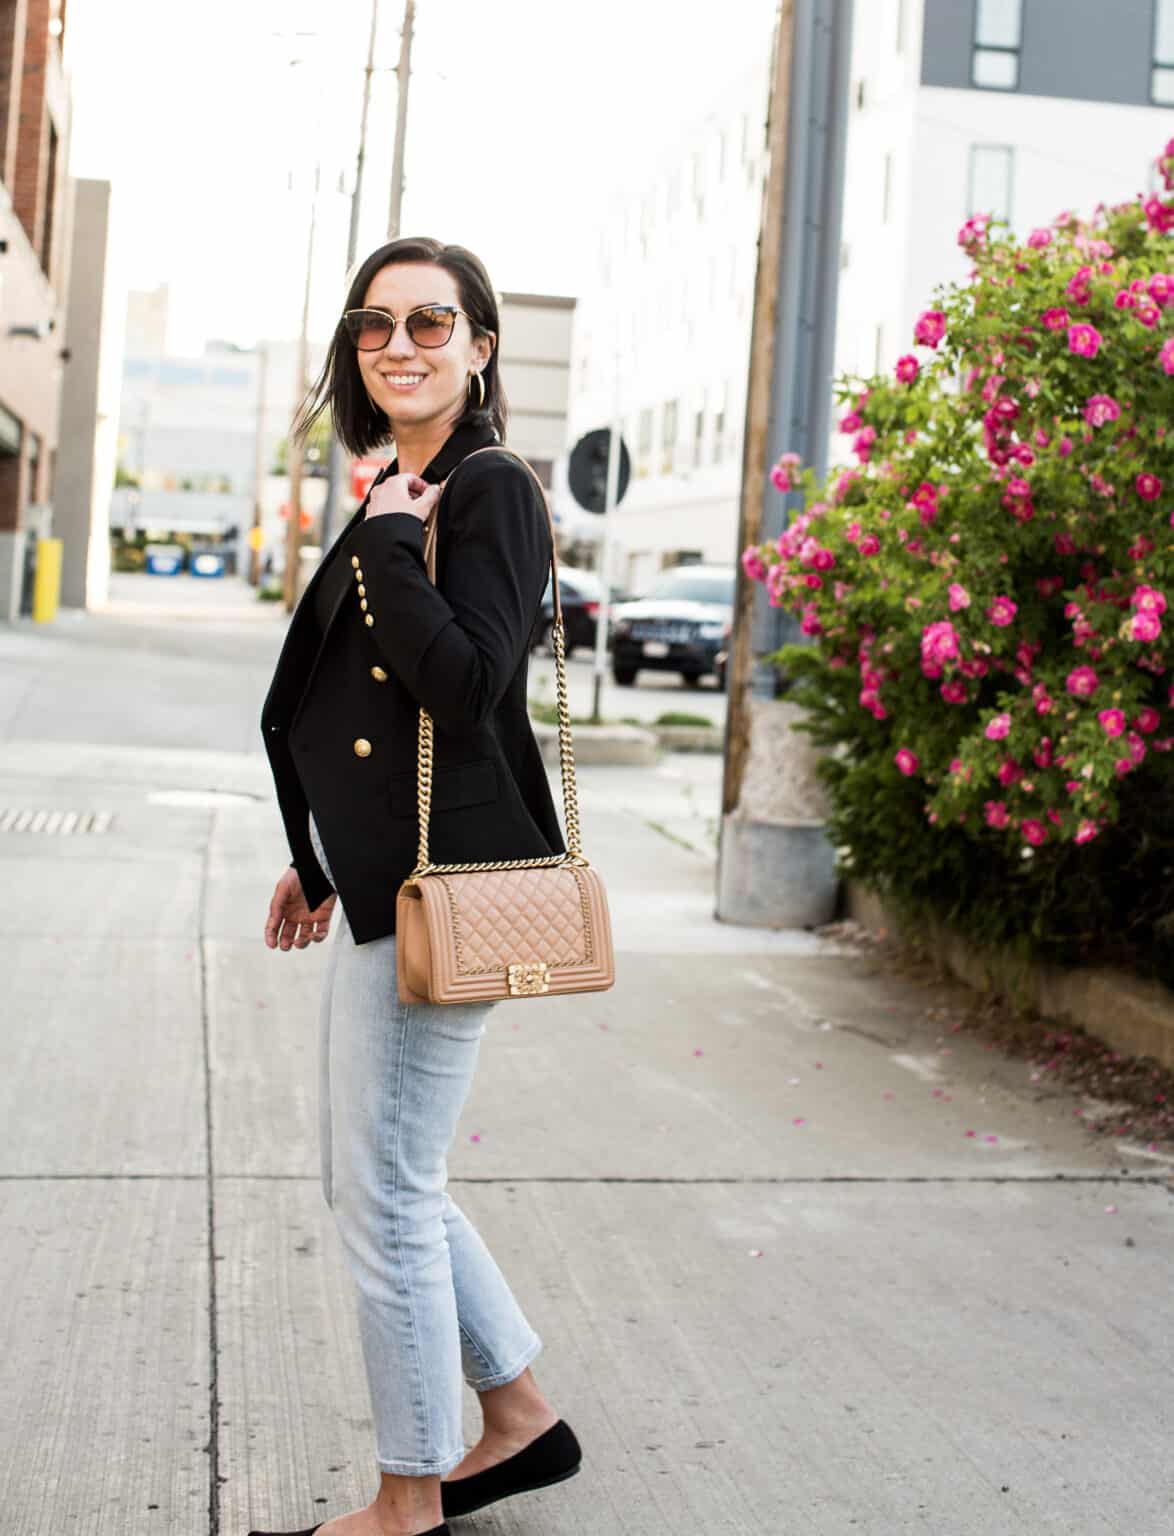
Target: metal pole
x,y
609,506
403,74
259,464
335,457
296,454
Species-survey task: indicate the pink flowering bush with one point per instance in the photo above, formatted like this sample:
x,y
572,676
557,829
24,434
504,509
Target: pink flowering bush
x,y
985,595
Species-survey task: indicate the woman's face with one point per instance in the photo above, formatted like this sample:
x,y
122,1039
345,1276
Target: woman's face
x,y
416,385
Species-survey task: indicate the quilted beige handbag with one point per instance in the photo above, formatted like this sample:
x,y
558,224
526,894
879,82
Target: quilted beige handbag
x,y
468,933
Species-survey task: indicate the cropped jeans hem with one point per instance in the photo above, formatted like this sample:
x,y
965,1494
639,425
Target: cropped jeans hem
x,y
485,1383
422,1468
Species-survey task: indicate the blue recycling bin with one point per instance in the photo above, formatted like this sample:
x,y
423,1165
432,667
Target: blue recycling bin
x,y
164,559
207,564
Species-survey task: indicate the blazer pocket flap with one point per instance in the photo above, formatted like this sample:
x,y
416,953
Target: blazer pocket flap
x,y
463,784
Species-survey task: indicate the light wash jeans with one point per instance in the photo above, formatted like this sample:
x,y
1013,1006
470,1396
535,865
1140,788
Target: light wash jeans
x,y
433,1305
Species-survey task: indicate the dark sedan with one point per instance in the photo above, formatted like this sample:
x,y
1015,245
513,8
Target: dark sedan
x,y
680,626
580,593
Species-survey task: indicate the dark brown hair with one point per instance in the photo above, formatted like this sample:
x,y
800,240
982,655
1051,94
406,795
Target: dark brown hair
x,y
360,425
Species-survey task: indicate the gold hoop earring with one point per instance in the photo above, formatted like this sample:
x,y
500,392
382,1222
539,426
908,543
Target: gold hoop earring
x,y
480,386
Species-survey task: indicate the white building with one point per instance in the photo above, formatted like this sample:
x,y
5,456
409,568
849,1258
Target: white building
x,y
665,329
1020,108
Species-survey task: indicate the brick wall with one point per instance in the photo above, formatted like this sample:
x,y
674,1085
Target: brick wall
x,y
29,186
12,34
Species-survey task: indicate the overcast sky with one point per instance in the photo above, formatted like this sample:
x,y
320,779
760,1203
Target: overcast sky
x,y
526,118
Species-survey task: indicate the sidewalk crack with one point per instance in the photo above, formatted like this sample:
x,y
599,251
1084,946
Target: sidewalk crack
x,y
213,1446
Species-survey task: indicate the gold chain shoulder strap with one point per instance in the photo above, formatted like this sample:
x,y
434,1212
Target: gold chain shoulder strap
x,y
574,853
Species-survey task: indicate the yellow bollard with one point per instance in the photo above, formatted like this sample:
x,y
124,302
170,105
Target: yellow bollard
x,y
47,581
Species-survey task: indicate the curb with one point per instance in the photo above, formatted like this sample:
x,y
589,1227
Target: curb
x,y
629,745
1133,1015
689,738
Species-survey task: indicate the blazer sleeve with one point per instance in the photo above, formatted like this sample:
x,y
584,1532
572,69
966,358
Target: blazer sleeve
x,y
456,647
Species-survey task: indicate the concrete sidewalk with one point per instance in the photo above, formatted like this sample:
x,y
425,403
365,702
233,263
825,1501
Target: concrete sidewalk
x,y
803,1260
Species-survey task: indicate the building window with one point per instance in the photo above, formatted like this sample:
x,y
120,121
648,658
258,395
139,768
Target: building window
x,y
988,188
47,249
644,443
698,438
544,469
719,430
1162,77
998,33
668,438
878,349
887,190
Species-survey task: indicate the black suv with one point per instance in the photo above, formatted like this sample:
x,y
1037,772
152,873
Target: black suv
x,y
679,626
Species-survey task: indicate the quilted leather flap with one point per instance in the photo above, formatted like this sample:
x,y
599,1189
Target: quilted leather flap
x,y
508,916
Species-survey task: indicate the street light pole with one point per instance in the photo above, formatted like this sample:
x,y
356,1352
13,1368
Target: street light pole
x,y
296,454
403,74
259,468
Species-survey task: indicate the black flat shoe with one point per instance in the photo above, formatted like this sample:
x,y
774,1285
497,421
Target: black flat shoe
x,y
553,1457
437,1530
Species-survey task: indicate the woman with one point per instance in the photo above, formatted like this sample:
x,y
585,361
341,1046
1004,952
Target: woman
x,y
414,358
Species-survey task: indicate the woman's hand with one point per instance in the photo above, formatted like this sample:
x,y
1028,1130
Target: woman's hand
x,y
291,924
403,493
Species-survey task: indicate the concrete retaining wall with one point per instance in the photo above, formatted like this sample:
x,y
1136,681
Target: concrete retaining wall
x,y
1132,1015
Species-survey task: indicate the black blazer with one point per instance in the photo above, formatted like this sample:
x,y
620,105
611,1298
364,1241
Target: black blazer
x,y
340,719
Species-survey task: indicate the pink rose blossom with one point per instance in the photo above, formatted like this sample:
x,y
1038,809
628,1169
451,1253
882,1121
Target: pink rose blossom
x,y
1148,721
907,369
907,761
752,564
996,813
1100,409
1039,238
1166,357
939,643
1148,486
1086,832
1084,340
852,422
998,728
1055,319
1034,832
930,328
1002,612
1082,683
869,544
1112,721
1148,600
1145,626
959,597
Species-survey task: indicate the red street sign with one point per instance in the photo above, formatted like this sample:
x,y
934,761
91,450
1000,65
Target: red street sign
x,y
363,472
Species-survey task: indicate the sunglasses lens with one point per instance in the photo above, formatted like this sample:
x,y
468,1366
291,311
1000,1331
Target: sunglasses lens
x,y
368,329
430,327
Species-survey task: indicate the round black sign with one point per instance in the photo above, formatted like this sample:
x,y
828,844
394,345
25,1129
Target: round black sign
x,y
587,470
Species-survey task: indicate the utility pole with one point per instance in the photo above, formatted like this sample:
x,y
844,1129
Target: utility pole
x,y
334,462
296,454
774,862
258,468
403,74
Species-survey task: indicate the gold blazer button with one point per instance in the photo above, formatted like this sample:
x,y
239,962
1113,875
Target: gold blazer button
x,y
362,747
379,674
355,561
369,618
